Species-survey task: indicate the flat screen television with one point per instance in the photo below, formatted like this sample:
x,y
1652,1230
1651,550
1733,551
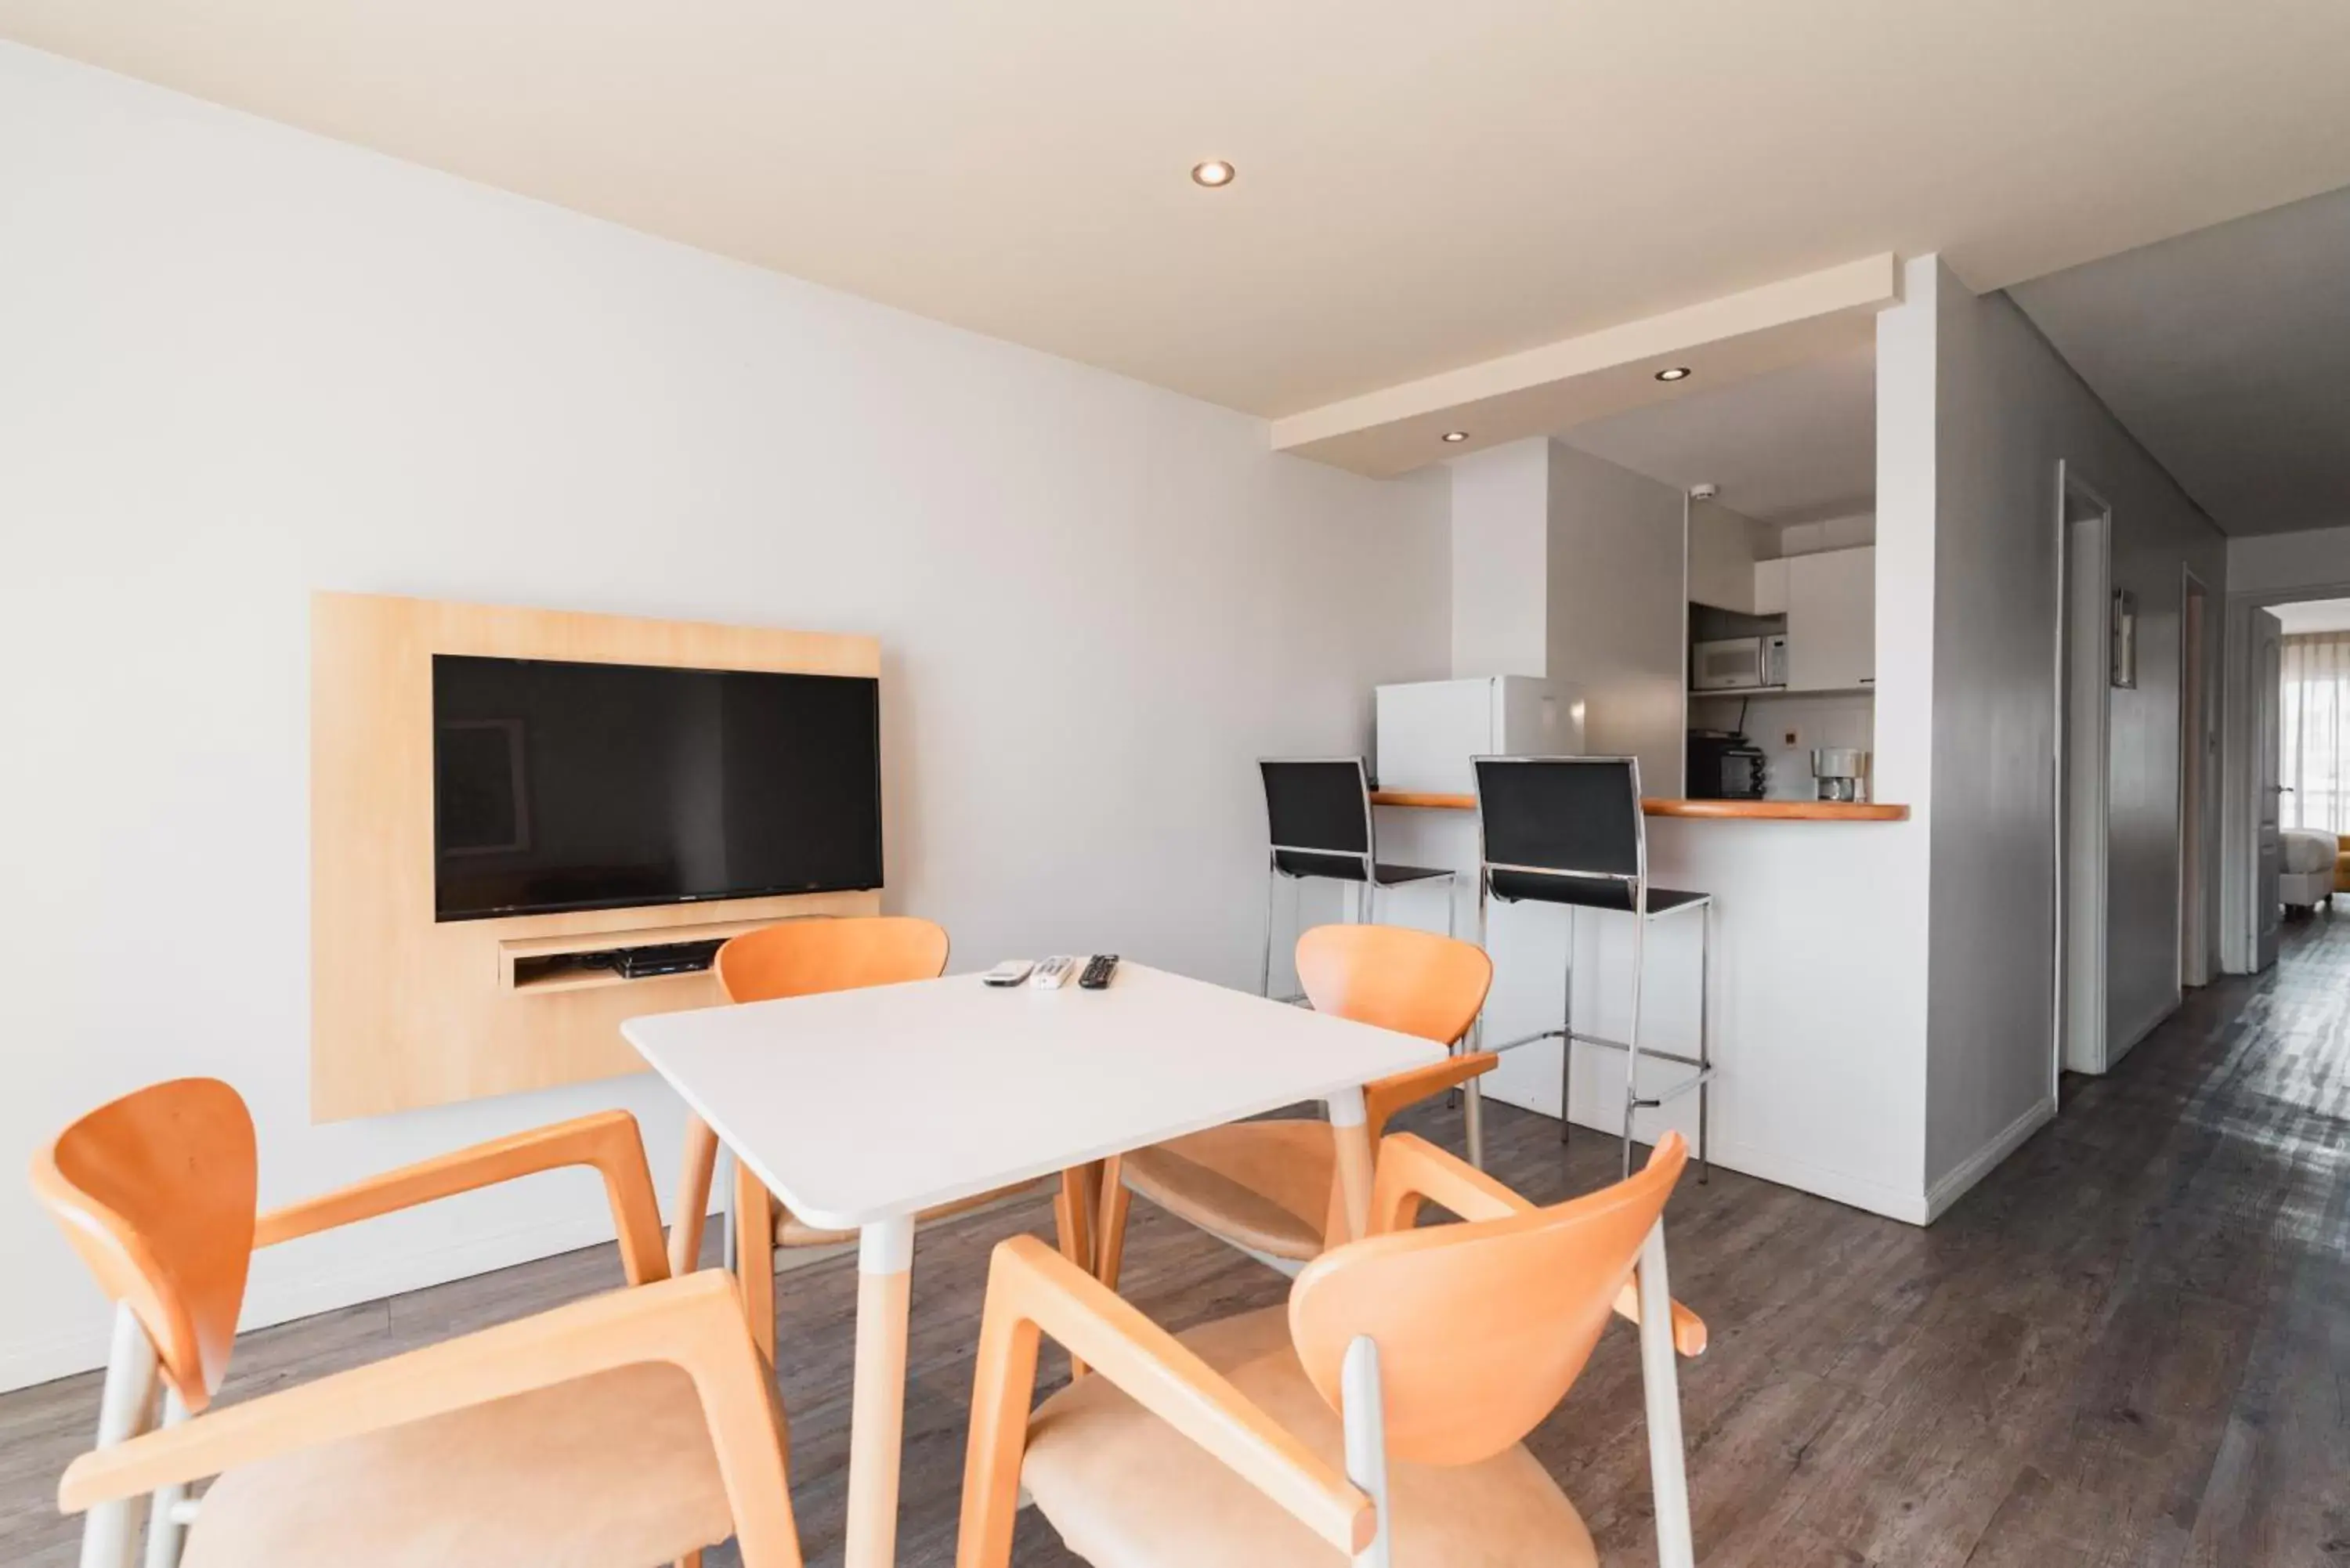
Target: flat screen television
x,y
561,785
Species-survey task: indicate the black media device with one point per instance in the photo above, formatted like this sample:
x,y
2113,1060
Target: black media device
x,y
561,785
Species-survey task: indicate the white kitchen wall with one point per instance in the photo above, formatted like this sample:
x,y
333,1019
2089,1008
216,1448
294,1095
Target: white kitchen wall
x,y
1501,541
1617,623
1787,729
1826,533
243,362
2008,410
1723,547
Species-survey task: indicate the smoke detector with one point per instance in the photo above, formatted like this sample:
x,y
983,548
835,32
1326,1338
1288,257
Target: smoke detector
x,y
1704,491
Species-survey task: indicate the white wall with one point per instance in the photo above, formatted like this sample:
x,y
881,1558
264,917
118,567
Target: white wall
x,y
1723,548
1499,545
244,362
2285,564
2008,410
1835,719
1618,624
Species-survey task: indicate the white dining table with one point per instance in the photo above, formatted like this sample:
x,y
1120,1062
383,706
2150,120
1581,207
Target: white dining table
x,y
861,1109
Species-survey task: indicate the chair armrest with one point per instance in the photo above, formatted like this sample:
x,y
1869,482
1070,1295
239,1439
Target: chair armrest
x,y
1411,1169
606,1140
1385,1098
1031,1289
692,1324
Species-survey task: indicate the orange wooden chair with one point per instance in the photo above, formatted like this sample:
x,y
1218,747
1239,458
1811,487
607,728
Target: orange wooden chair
x,y
631,1428
1270,1187
1379,1416
802,958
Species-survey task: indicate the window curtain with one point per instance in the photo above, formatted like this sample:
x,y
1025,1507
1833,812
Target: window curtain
x,y
2315,721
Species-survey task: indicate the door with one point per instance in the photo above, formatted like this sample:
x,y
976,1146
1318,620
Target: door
x,y
2267,675
2084,724
1832,620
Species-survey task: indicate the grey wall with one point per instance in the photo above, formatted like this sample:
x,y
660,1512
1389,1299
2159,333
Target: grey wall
x,y
243,362
1618,615
2007,410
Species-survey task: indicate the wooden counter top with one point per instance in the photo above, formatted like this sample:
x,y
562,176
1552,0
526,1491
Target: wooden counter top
x,y
1738,810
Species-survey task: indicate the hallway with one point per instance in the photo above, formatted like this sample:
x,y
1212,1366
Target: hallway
x,y
2129,1346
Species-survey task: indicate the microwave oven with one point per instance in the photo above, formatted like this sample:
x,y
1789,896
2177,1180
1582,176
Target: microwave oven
x,y
1738,664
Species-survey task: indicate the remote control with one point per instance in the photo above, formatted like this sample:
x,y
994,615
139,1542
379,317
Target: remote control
x,y
1011,972
1098,971
1054,973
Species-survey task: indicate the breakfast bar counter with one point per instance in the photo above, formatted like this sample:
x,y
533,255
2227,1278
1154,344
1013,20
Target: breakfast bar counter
x,y
1817,932
1729,810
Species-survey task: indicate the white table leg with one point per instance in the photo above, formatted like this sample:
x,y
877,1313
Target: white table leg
x,y
1660,1385
885,1263
1354,1141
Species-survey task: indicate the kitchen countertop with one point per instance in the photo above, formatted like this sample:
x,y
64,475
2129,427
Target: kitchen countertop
x,y
1726,810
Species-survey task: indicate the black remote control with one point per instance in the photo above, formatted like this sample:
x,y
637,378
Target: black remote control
x,y
1098,971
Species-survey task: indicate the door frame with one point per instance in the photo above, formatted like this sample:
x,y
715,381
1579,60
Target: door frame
x,y
2194,748
2238,769
2080,798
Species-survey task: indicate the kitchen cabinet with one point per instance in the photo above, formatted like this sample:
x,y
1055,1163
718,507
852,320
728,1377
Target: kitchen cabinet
x,y
1771,586
1832,620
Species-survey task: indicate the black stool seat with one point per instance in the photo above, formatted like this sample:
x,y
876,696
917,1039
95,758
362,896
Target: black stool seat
x,y
1349,868
1584,892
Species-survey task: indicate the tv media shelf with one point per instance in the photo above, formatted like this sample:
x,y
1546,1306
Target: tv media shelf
x,y
541,966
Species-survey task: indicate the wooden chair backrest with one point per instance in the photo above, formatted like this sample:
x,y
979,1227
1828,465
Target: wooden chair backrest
x,y
801,957
1482,1327
156,1191
1414,982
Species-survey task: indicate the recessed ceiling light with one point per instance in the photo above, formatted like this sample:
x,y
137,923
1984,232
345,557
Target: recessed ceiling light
x,y
1678,373
1216,171
1456,435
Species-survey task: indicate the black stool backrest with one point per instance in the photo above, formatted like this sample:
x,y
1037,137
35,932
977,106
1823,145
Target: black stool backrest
x,y
1569,815
1321,804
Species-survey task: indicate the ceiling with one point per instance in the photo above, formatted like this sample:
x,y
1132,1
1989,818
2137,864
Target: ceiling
x,y
1794,446
2227,352
2317,614
1419,189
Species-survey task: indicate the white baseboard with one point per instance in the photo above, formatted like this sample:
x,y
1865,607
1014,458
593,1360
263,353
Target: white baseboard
x,y
1768,1165
1958,1179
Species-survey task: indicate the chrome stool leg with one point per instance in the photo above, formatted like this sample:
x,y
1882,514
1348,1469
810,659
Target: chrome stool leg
x,y
1271,890
1566,1034
1704,1035
1632,1036
1472,1103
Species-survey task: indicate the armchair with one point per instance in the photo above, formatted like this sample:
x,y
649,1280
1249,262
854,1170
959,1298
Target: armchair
x,y
630,1428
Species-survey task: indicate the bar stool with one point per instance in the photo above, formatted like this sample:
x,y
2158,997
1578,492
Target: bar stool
x,y
1570,831
1317,813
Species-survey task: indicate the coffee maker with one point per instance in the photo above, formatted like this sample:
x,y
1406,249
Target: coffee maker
x,y
1840,773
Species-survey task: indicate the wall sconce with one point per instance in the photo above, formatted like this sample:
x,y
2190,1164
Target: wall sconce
x,y
2124,639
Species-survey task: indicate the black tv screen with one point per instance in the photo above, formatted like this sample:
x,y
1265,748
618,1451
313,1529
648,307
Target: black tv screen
x,y
588,786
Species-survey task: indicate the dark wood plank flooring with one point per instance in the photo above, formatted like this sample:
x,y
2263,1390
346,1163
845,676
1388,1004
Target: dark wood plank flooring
x,y
2130,1345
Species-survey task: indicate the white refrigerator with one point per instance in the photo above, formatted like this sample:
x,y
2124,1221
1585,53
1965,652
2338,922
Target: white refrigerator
x,y
1428,730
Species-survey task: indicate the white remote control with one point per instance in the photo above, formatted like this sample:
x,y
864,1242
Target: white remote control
x,y
1054,972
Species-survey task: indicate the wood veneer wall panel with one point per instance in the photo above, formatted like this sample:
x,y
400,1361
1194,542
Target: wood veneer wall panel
x,y
406,1011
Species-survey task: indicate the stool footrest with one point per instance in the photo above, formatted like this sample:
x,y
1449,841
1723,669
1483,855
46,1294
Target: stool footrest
x,y
1527,1040
1648,1052
1702,1076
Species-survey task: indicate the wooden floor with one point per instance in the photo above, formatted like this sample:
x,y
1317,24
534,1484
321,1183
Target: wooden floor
x,y
2130,1345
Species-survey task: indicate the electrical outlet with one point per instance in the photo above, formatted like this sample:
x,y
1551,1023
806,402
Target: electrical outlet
x,y
1792,741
